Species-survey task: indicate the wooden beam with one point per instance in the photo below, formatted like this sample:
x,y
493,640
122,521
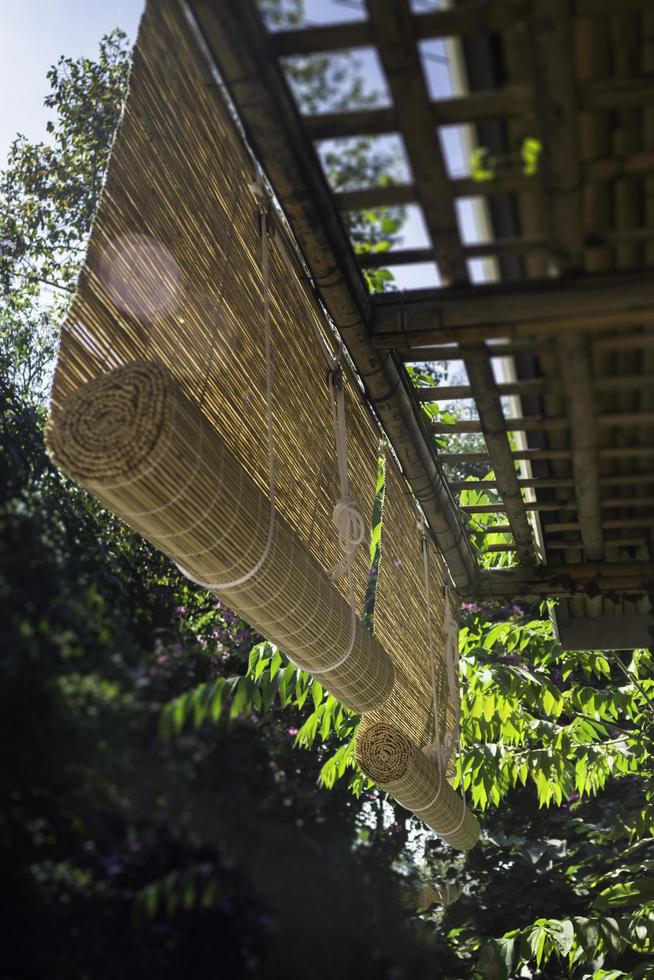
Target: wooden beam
x,y
314,40
602,8
627,452
562,579
532,482
624,382
627,502
397,194
493,104
627,165
513,100
565,545
238,45
418,318
630,479
454,353
478,17
390,195
638,340
534,506
620,452
616,93
551,29
618,419
594,171
529,424
359,122
536,329
613,524
445,393
453,459
537,424
408,256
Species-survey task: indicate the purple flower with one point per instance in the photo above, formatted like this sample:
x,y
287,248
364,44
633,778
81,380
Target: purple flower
x,y
292,730
180,609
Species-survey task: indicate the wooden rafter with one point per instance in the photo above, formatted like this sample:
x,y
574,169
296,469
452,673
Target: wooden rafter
x,y
543,307
444,393
477,17
393,30
564,579
598,171
407,256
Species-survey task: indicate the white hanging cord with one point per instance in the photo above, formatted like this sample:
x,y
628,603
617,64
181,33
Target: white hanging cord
x,y
346,516
442,752
272,484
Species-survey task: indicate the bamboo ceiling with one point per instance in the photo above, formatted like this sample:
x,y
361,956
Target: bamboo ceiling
x,y
572,307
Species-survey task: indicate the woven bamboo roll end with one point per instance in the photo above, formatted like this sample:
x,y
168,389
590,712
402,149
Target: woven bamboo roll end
x,y
110,429
398,767
383,753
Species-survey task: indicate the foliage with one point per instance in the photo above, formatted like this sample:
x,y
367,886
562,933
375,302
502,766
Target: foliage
x,y
484,166
48,194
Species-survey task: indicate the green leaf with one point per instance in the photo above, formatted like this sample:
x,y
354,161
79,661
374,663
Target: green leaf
x,y
537,940
563,935
633,892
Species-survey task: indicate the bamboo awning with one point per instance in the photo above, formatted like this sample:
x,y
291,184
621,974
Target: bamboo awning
x,y
568,432
193,395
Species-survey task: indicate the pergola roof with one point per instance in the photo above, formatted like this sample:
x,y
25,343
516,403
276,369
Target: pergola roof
x,y
572,307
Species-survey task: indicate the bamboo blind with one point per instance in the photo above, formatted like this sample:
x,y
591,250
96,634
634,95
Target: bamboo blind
x,y
172,288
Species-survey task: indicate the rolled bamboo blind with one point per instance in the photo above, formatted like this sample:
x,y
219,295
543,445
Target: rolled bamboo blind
x,y
173,278
136,442
401,769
